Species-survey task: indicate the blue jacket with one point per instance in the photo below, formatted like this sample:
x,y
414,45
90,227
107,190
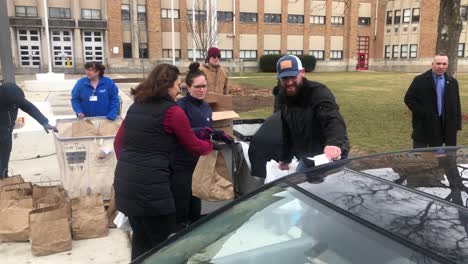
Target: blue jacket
x,y
107,103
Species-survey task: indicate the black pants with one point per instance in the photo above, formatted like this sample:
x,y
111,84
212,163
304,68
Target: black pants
x,y
5,150
149,231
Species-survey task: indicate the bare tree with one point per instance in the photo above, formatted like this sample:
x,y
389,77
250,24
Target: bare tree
x,y
203,30
448,32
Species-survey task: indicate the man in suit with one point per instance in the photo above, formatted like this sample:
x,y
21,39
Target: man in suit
x,y
434,101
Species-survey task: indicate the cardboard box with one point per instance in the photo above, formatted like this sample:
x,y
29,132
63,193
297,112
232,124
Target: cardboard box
x,y
223,115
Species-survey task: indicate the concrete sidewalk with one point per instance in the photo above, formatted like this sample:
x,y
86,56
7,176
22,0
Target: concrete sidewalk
x,y
114,248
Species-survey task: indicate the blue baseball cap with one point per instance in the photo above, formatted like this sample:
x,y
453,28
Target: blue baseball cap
x,y
288,66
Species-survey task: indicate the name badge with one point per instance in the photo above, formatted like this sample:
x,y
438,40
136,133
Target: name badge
x,y
93,98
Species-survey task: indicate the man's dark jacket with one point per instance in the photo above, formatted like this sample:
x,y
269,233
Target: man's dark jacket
x,y
311,120
145,166
421,99
12,98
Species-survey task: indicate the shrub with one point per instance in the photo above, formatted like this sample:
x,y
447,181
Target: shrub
x,y
308,62
267,63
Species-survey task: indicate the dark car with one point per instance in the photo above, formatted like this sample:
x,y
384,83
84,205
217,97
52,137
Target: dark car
x,y
404,207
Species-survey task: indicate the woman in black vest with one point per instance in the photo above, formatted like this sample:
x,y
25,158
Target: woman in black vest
x,y
153,128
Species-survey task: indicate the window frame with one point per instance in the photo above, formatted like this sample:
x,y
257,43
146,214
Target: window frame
x,y
167,53
462,50
387,52
404,52
406,15
332,52
271,52
389,19
337,20
241,52
27,10
315,52
415,18
63,13
295,19
222,15
141,13
415,51
397,18
317,20
92,13
364,21
166,13
252,17
270,16
127,53
125,14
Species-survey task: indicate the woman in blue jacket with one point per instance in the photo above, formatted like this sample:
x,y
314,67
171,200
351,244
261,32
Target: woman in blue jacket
x,y
199,113
95,95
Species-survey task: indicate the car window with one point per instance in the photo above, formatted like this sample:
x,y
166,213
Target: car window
x,y
282,225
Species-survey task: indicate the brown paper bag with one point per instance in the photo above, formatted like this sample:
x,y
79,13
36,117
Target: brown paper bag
x,y
112,210
210,179
108,128
89,219
14,216
50,231
25,187
11,180
47,196
84,128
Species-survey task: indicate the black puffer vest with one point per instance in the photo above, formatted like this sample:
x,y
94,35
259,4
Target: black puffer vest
x,y
142,177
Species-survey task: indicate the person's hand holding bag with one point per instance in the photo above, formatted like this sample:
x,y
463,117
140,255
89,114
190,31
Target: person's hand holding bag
x,y
204,133
219,135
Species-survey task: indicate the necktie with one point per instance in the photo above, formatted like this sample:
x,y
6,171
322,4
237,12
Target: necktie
x,y
440,93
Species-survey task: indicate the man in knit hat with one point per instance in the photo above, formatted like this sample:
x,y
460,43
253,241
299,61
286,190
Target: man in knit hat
x,y
215,75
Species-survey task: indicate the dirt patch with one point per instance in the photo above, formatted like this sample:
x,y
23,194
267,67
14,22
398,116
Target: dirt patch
x,y
246,97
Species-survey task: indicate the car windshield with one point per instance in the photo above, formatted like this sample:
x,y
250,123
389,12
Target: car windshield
x,y
283,225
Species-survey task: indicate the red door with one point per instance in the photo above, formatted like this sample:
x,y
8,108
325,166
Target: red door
x,y
362,61
363,53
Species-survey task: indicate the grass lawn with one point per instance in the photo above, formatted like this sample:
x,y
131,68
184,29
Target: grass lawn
x,y
372,105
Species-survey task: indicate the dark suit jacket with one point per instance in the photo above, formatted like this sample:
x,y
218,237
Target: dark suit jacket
x,y
421,99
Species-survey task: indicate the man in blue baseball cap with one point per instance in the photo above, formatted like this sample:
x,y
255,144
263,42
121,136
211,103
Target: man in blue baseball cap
x,y
312,123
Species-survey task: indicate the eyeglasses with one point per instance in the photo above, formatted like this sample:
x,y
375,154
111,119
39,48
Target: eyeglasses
x,y
200,86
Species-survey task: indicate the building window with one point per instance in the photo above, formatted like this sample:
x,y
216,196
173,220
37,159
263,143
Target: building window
x,y
166,13
199,14
337,20
226,54
464,12
94,14
413,51
406,15
389,17
143,51
141,12
395,51
248,54
461,50
318,54
336,54
125,12
127,50
26,11
248,17
404,51
317,20
296,19
198,54
56,12
167,53
271,52
224,16
272,18
387,52
415,18
62,48
364,21
397,18
294,52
